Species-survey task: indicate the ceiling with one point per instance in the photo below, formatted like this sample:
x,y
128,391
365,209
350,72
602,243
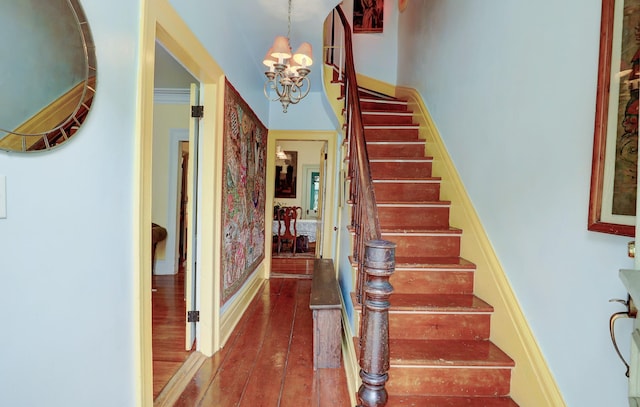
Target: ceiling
x,y
262,21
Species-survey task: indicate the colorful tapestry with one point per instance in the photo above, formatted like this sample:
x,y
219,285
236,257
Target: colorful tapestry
x,y
244,188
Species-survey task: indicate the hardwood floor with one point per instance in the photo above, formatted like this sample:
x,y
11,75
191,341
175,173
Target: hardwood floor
x,y
268,360
168,339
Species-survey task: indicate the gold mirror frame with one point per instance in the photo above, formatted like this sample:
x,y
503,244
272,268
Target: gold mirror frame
x,y
59,120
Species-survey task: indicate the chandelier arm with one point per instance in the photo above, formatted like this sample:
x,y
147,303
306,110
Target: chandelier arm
x,y
298,92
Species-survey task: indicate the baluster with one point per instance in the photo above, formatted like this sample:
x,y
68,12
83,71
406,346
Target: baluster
x,y
374,354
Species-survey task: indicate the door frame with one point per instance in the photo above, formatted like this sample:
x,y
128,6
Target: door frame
x,y
307,171
161,22
329,218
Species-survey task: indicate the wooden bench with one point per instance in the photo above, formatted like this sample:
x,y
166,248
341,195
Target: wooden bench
x,y
327,316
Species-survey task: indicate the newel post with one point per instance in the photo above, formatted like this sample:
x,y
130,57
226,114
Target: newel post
x,y
379,264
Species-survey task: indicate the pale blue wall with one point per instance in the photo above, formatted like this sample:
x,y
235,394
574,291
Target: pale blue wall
x,y
66,245
376,54
233,33
511,87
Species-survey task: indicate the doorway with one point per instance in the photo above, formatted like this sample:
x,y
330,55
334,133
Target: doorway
x,y
163,25
308,182
174,207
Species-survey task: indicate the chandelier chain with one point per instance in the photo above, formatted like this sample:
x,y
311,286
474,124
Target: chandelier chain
x,y
289,23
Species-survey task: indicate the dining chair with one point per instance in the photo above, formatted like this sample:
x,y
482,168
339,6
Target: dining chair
x,y
287,230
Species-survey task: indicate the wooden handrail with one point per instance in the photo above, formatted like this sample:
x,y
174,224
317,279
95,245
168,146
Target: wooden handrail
x,y
365,215
375,258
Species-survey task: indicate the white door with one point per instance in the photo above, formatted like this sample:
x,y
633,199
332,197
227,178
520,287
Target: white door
x,y
193,249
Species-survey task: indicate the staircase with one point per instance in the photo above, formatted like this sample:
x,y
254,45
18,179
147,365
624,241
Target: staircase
x,y
440,352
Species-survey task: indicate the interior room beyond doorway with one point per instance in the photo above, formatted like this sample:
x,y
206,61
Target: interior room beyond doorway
x,y
298,183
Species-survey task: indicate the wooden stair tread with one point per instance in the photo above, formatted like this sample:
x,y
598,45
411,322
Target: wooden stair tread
x,y
454,263
387,178
417,142
391,126
386,113
434,262
415,230
440,303
440,352
442,401
400,158
422,180
370,97
387,202
410,352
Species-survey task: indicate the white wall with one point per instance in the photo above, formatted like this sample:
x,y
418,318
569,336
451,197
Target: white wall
x,y
66,244
168,121
511,87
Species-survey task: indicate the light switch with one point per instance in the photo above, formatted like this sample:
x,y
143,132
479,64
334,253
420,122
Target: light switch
x,y
3,196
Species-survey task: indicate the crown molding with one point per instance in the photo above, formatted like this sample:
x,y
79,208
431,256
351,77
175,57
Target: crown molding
x,y
171,96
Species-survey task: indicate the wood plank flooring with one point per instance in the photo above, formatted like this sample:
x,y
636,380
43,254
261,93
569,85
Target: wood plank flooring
x,y
168,328
268,360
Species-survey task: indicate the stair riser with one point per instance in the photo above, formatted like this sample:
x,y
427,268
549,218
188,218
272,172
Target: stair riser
x,y
432,282
386,119
402,170
407,192
465,326
411,217
449,381
382,107
410,134
425,246
395,150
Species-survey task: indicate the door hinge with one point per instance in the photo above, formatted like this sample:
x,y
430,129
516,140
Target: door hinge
x,y
193,316
197,111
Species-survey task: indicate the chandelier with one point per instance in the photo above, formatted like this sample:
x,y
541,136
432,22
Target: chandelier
x,y
287,74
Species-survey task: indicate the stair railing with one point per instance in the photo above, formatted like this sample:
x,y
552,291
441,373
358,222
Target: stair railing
x,y
375,257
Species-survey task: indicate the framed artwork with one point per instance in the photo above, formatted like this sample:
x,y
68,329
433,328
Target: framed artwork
x,y
244,190
286,175
612,202
368,16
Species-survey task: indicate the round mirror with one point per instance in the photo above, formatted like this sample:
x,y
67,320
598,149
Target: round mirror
x,y
48,82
